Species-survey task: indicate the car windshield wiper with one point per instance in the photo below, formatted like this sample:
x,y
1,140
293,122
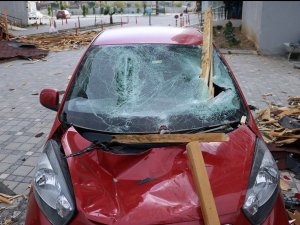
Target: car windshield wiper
x,y
92,147
229,126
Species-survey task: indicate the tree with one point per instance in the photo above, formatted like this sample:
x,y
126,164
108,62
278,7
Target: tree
x,y
91,4
54,5
84,10
178,4
138,4
144,6
119,4
61,5
49,11
94,10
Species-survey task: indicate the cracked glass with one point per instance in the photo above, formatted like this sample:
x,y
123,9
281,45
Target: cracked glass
x,y
141,88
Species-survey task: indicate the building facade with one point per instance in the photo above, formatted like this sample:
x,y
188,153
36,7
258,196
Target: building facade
x,y
17,11
269,24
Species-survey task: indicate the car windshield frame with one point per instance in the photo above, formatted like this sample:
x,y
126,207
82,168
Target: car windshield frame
x,y
134,122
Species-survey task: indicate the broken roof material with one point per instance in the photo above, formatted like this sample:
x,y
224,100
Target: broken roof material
x,y
281,125
60,41
13,49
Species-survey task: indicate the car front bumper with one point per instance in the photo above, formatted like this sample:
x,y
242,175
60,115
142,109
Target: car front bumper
x,y
35,216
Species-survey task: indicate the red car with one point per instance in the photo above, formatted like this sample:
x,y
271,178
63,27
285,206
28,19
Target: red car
x,y
63,14
145,80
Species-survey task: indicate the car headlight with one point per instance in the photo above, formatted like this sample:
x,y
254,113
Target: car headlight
x,y
263,185
52,186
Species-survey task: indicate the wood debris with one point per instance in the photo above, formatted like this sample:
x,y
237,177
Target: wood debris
x,y
8,199
207,51
295,216
59,42
270,122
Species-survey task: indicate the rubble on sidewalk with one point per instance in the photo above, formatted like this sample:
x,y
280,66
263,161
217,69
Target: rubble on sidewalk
x,y
281,125
13,49
59,42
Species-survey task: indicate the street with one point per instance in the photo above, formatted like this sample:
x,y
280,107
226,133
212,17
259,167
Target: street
x,y
92,20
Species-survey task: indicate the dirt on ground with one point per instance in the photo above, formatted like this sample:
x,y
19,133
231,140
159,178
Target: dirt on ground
x,y
221,42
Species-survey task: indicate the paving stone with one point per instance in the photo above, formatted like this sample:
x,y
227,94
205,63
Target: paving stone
x,y
22,139
32,161
4,138
11,159
4,166
10,184
4,175
2,156
23,170
26,147
11,177
22,188
13,145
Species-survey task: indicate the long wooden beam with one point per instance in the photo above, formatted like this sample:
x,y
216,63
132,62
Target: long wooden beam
x,y
203,188
207,51
170,138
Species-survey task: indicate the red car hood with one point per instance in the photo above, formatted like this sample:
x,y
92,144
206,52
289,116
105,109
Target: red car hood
x,y
156,186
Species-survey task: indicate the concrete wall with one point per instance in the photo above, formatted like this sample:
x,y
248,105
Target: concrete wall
x,y
280,23
251,22
16,9
271,23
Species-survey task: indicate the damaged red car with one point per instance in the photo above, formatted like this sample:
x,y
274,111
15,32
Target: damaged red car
x,y
146,80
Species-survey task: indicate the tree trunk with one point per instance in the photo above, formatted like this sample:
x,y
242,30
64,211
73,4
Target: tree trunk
x,y
111,19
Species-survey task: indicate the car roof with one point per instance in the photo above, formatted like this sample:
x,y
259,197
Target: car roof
x,y
150,35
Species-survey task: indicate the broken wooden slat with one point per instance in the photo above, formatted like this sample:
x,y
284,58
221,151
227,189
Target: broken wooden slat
x,y
288,112
201,180
170,138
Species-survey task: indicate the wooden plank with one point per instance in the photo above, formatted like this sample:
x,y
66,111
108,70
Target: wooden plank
x,y
207,50
207,202
170,138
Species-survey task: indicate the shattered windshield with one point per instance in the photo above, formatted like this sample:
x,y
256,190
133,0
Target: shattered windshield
x,y
141,88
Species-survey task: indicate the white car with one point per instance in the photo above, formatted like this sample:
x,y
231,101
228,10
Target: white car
x,y
35,15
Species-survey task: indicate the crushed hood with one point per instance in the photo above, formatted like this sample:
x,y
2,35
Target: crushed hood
x,y
156,186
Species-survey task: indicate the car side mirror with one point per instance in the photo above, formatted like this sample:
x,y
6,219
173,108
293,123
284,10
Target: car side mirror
x,y
49,98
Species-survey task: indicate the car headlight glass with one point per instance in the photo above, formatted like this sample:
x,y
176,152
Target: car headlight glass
x,y
263,185
52,186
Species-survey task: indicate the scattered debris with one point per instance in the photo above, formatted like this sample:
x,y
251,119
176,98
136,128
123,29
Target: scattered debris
x,y
13,49
39,134
268,94
284,185
8,199
281,125
59,42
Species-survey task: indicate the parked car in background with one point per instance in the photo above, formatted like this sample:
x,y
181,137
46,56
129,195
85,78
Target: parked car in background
x,y
146,80
35,15
63,14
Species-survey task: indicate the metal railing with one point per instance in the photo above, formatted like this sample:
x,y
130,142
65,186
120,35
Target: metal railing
x,y
13,20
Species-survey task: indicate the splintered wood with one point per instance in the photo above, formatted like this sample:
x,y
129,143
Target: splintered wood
x,y
280,125
59,42
207,51
8,199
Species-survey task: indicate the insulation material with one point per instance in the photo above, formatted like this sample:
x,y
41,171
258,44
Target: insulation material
x,y
140,88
